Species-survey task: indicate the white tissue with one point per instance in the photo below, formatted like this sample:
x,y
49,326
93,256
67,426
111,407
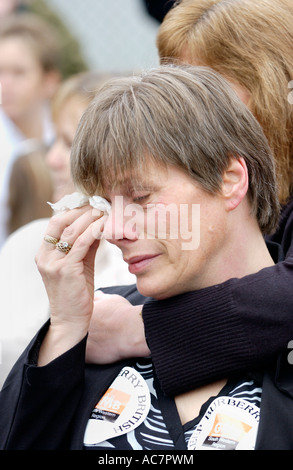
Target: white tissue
x,y
75,200
100,203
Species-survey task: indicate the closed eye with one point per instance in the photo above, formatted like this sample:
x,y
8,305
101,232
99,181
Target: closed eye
x,y
140,198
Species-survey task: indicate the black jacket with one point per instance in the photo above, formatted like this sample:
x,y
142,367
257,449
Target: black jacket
x,y
48,407
158,8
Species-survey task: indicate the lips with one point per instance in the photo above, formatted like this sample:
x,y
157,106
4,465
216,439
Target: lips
x,y
137,264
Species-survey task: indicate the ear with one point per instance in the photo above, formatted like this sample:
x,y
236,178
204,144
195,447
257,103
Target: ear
x,y
235,183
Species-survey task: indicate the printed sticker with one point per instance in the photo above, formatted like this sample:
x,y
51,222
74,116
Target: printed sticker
x,y
228,424
111,405
123,407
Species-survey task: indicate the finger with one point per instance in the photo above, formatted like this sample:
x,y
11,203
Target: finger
x,y
57,225
68,228
98,226
72,233
85,244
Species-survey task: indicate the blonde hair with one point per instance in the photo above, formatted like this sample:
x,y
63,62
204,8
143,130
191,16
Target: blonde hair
x,y
187,117
249,42
83,85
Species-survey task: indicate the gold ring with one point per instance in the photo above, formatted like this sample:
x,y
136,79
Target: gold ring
x,y
50,239
63,246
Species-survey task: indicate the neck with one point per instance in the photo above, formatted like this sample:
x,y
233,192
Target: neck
x,y
245,253
251,255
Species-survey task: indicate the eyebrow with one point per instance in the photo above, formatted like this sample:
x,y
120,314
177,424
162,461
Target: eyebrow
x,y
127,186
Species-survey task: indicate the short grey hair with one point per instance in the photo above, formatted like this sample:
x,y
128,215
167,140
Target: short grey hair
x,y
184,116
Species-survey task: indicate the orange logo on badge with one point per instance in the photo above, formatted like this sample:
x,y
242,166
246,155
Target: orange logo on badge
x,y
226,432
111,405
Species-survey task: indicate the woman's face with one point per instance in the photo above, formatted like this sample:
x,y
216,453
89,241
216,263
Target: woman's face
x,y
58,157
170,231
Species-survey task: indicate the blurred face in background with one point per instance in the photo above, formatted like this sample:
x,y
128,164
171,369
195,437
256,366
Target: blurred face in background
x,y
25,85
58,157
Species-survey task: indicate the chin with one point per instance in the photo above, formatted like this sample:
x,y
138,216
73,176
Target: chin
x,y
154,290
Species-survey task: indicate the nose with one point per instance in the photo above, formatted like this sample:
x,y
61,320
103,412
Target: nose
x,y
123,223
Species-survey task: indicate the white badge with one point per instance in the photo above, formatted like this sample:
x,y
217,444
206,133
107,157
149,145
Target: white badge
x,y
228,424
123,407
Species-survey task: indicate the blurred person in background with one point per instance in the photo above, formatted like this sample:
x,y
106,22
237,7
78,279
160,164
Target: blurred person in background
x,y
72,59
29,76
30,189
68,105
23,300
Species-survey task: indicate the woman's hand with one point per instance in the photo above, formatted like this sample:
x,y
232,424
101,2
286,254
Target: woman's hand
x,y
116,330
69,278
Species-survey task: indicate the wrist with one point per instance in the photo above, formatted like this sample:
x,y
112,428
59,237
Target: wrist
x,y
135,344
58,340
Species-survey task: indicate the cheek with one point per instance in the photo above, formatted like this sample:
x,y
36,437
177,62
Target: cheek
x,y
180,223
213,235
175,260
30,88
162,222
24,95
